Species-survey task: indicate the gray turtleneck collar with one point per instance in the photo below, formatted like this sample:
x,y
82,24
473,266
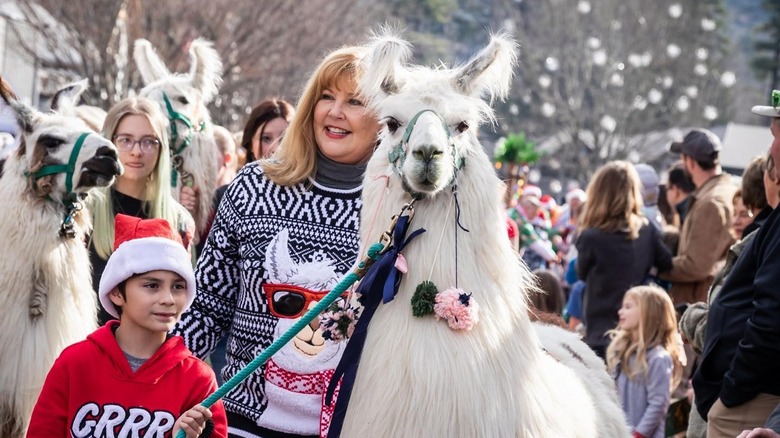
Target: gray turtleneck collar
x,y
337,175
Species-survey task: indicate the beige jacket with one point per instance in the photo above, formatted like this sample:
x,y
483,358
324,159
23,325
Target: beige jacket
x,y
704,240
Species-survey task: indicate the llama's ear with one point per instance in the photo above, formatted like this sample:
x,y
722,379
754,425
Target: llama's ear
x,y
24,114
148,62
206,70
66,98
490,72
383,65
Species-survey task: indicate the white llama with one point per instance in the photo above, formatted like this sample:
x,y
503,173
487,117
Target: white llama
x,y
183,98
416,376
45,284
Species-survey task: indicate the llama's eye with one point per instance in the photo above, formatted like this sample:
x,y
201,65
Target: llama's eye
x,y
392,124
183,100
50,142
463,126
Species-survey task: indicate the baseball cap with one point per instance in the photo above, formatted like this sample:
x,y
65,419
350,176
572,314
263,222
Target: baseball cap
x,y
700,144
769,111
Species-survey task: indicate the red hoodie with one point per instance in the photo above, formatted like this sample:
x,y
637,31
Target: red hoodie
x,y
92,392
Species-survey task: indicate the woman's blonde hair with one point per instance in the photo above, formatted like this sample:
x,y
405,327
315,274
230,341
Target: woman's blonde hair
x,y
614,200
296,158
657,326
158,201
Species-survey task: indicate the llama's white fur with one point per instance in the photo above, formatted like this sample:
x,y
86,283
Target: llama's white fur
x,y
45,289
199,87
418,377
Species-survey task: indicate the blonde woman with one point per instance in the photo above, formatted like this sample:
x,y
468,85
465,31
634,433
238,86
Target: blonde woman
x,y
617,248
285,232
137,128
646,359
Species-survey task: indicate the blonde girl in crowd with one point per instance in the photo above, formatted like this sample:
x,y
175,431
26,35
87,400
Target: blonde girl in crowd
x,y
137,128
646,358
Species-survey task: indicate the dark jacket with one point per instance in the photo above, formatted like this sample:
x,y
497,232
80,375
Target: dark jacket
x,y
742,346
610,264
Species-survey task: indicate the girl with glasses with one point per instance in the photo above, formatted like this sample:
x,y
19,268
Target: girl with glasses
x,y
137,128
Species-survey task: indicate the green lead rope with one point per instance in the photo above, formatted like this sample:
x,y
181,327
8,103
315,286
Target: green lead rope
x,y
373,253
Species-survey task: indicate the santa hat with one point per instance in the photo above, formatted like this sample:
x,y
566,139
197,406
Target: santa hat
x,y
532,191
140,246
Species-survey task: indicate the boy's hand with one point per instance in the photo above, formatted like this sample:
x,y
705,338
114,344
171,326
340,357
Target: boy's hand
x,y
192,422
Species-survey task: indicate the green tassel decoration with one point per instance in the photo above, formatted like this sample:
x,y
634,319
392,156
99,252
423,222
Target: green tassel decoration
x,y
424,298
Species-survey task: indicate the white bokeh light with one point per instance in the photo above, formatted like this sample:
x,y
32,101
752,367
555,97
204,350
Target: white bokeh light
x,y
635,60
593,43
600,57
545,81
548,109
700,69
708,25
616,79
710,112
675,10
702,54
608,123
683,103
692,91
654,96
551,63
583,7
640,103
728,79
667,81
673,50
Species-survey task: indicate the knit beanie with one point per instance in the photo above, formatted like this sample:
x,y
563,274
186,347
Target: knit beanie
x,y
140,246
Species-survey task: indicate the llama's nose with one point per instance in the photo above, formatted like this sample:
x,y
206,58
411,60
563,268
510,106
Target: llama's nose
x,y
428,153
107,151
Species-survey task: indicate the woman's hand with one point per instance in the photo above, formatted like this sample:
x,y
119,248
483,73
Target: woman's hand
x,y
759,432
193,421
189,197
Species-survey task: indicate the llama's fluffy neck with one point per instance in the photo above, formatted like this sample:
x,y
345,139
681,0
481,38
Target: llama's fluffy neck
x,y
486,264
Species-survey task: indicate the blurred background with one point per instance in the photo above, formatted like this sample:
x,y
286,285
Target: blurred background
x,y
596,81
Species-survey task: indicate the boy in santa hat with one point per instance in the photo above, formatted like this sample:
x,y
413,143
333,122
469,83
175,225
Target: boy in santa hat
x,y
129,377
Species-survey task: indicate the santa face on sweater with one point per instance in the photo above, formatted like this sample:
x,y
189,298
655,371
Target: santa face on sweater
x,y
297,376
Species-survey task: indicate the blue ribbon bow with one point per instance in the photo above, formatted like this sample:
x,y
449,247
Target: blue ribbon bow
x,y
380,284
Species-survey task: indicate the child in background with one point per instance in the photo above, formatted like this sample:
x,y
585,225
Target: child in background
x,y
646,358
129,377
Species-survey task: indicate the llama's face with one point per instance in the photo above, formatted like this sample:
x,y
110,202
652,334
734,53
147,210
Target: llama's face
x,y
48,142
184,99
436,123
51,142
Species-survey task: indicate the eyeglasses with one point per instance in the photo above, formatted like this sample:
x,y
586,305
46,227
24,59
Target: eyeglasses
x,y
288,301
775,98
126,143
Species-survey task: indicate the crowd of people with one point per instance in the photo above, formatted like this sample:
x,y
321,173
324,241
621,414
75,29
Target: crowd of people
x,y
673,284
669,283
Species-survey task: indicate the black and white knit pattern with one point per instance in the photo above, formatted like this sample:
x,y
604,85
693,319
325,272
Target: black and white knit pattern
x,y
322,223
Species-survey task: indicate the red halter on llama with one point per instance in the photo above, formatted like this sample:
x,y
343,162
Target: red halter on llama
x,y
485,373
45,284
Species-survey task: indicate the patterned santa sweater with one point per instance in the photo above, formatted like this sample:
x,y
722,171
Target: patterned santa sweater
x,y
270,239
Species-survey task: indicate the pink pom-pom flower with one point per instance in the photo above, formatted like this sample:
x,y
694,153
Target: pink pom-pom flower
x,y
459,308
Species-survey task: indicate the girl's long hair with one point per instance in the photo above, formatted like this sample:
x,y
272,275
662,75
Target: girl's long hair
x,y
296,158
657,326
614,200
158,201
